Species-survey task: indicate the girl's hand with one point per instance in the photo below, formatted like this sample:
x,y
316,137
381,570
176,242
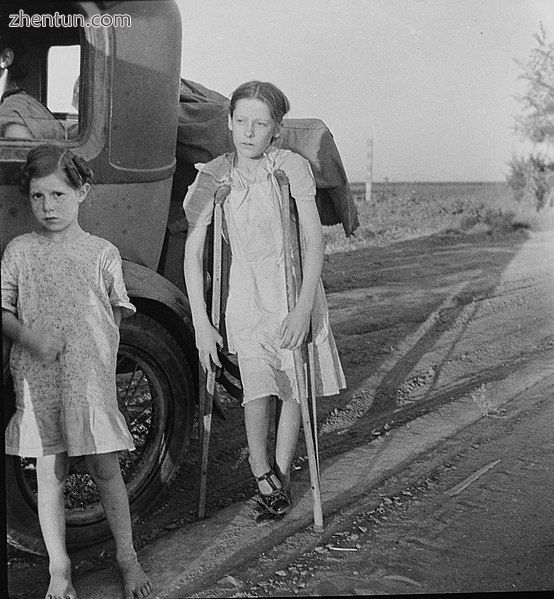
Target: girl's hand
x,y
42,343
207,340
294,328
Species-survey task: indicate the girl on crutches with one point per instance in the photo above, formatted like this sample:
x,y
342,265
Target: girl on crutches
x,y
260,329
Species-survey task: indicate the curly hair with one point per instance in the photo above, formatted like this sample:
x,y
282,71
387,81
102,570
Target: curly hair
x,y
47,160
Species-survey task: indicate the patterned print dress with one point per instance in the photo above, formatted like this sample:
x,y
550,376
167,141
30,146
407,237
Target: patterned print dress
x,y
69,288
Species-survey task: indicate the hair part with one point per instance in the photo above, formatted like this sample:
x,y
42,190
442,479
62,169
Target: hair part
x,y
54,160
266,92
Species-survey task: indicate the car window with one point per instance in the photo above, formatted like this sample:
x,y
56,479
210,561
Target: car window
x,y
39,84
63,67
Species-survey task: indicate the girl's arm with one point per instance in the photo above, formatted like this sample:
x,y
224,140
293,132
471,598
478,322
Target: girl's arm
x,y
40,342
207,337
18,130
295,326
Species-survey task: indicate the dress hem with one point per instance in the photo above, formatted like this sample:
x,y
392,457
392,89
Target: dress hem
x,y
33,453
323,394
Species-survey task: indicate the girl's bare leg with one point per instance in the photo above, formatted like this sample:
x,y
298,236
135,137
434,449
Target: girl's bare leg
x,y
106,473
51,474
256,419
287,439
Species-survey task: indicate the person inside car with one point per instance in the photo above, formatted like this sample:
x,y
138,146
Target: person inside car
x,y
21,115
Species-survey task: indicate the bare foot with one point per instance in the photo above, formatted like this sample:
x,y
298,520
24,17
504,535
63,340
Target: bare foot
x,y
136,583
61,586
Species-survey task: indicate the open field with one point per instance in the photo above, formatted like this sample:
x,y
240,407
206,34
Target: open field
x,y
404,210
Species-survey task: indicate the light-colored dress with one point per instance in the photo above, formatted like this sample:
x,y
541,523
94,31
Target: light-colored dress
x,y
68,287
257,302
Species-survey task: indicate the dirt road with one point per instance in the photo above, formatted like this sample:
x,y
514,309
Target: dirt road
x,y
475,515
417,323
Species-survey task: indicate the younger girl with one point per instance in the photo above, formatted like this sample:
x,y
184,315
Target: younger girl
x,y
259,329
63,297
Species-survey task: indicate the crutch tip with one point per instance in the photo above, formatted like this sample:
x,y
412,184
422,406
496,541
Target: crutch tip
x,y
318,528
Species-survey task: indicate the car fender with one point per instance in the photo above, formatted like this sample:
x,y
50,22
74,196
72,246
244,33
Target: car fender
x,y
143,283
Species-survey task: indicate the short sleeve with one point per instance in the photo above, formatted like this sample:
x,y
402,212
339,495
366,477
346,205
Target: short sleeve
x,y
115,285
199,200
301,178
22,109
9,275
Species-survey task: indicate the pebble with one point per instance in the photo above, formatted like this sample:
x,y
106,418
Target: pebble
x,y
281,573
231,580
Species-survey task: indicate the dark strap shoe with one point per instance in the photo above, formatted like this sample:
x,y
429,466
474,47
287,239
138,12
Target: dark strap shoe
x,y
279,501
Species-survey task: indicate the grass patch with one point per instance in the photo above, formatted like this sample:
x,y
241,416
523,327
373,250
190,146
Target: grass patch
x,y
403,211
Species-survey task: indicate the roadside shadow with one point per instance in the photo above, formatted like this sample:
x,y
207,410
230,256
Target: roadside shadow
x,y
472,265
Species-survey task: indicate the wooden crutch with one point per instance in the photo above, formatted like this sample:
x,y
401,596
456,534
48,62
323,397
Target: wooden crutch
x,y
207,378
304,380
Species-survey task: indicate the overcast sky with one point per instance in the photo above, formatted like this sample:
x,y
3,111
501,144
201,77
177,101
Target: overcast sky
x,y
431,81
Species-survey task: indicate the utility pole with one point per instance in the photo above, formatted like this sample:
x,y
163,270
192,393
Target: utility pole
x,y
369,170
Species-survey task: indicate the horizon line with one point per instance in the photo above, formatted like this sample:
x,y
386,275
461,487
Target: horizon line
x,y
438,182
